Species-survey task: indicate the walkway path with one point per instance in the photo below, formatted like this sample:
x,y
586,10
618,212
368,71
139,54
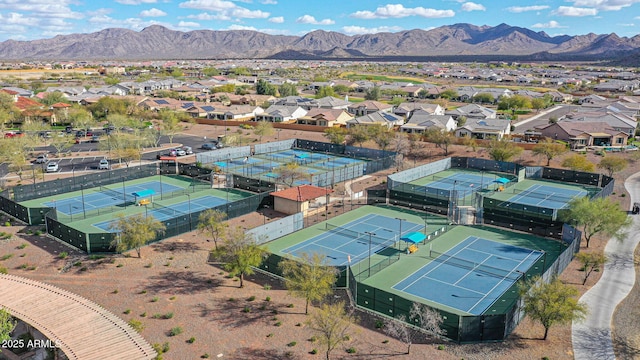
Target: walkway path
x,y
592,338
80,328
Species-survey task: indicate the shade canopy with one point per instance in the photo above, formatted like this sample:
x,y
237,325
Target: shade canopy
x,y
502,180
144,193
414,237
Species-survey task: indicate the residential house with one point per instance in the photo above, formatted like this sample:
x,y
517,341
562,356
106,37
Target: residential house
x,y
484,128
236,112
281,113
382,118
30,110
422,120
330,102
325,117
559,97
407,108
20,91
200,111
472,111
581,134
369,107
297,100
616,120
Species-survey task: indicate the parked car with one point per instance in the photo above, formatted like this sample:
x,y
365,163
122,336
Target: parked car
x,y
103,165
12,134
52,167
188,150
80,133
41,159
95,139
180,152
209,146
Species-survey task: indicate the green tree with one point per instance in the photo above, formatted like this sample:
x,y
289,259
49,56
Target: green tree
x,y
310,277
551,303
211,222
332,322
54,97
381,135
578,162
549,149
442,139
289,173
325,91
263,87
483,98
590,262
240,253
600,215
287,89
263,128
449,94
372,94
470,142
503,150
336,135
514,103
341,89
538,103
62,143
358,134
210,71
613,164
7,324
170,125
133,232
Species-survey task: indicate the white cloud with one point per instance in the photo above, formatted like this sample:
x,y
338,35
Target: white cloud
x,y
188,24
226,10
208,17
550,25
308,19
469,6
153,12
375,30
399,11
43,8
521,9
627,25
249,14
277,19
269,2
605,5
575,11
241,27
136,2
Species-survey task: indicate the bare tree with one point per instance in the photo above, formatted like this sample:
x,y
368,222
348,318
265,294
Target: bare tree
x,y
427,319
398,328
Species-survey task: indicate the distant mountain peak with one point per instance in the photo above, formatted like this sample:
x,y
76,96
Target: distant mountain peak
x,y
457,41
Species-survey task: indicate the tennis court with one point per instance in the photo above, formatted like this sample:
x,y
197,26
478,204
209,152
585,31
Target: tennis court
x,y
350,242
108,196
545,196
470,276
162,213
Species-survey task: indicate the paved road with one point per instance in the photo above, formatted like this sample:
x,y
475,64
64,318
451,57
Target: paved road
x,y
592,338
542,118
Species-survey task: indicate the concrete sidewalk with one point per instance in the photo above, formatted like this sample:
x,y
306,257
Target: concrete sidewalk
x,y
592,338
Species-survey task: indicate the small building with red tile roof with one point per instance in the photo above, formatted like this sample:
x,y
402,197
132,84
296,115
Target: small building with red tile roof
x,y
298,199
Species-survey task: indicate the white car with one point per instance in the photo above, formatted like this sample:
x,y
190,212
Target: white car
x,y
41,159
103,165
180,152
52,167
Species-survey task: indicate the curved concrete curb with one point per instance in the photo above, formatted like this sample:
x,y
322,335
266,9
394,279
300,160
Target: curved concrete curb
x,y
592,338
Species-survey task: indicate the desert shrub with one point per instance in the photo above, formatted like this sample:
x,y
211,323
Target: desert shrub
x,y
175,331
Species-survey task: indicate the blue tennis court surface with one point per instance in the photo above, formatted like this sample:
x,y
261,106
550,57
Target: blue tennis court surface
x,y
94,200
546,196
350,241
171,211
464,184
471,276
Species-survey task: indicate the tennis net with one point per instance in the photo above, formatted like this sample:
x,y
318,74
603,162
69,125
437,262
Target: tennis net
x,y
358,235
545,195
511,274
464,182
167,210
117,195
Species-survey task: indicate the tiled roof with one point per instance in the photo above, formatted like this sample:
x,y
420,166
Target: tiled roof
x,y
302,193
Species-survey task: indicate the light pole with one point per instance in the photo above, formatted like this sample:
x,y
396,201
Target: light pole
x,y
400,231
189,197
370,235
264,214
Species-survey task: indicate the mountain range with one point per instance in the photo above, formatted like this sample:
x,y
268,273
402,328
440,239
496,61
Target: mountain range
x,y
458,42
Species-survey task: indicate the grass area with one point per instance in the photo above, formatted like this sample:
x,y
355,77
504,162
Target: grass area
x,y
354,77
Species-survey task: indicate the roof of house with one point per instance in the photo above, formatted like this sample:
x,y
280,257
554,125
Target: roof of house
x,y
302,193
377,118
327,114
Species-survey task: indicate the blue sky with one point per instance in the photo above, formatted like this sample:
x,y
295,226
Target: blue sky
x,y
38,19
